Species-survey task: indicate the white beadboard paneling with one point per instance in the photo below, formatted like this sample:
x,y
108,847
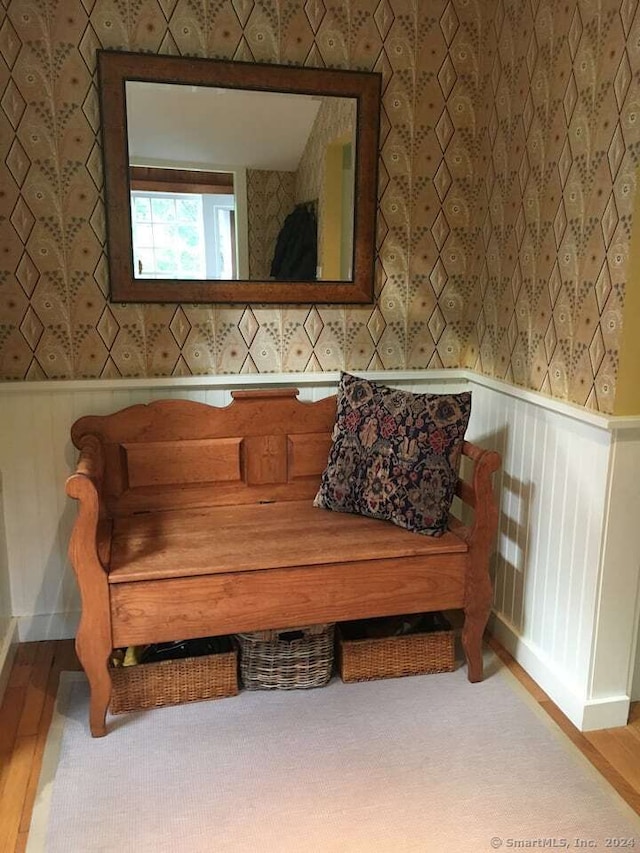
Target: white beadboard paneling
x,y
585,714
8,625
564,571
522,515
8,646
618,589
5,590
553,486
635,680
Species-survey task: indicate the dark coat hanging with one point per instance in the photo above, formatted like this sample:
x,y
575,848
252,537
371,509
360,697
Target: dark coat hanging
x,y
296,252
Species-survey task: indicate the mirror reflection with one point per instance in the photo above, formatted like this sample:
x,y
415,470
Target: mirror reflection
x,y
238,184
243,182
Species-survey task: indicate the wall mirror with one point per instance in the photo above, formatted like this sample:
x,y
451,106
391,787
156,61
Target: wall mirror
x,y
238,182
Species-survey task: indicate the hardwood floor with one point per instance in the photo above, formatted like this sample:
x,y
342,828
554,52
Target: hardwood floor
x,y
25,716
615,753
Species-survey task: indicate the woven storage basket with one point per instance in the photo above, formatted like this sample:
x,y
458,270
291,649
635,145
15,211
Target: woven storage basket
x,y
368,658
171,682
286,659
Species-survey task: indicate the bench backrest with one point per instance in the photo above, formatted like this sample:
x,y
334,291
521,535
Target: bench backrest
x,y
266,445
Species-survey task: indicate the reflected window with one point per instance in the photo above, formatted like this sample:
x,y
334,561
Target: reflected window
x,y
182,235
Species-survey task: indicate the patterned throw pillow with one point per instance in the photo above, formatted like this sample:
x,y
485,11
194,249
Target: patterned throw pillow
x,y
395,454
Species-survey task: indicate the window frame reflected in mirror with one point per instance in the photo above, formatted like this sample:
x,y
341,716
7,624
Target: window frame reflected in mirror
x,y
117,67
206,194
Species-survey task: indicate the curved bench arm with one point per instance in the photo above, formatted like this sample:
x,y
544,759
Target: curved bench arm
x,y
478,494
91,459
481,539
93,638
85,486
486,462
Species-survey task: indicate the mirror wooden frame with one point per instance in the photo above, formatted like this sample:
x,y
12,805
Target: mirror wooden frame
x,y
116,67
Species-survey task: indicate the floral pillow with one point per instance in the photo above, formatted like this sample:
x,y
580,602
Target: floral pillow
x,y
395,454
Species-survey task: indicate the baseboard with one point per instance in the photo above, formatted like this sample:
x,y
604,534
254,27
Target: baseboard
x,y
586,715
635,681
8,646
48,626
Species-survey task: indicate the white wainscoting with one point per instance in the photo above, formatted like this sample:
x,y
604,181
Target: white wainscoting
x,y
8,646
567,563
8,625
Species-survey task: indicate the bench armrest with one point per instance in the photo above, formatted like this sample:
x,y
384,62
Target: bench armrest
x,y
91,459
479,494
481,536
88,547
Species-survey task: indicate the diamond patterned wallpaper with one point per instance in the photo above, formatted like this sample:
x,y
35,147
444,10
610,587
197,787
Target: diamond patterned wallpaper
x,y
271,196
563,133
508,150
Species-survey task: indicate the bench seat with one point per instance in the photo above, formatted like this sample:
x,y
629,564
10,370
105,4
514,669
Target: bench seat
x,y
214,540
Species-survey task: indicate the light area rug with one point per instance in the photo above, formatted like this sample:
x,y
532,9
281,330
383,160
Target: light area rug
x,y
428,763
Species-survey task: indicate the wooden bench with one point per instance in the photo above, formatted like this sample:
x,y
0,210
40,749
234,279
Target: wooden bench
x,y
197,520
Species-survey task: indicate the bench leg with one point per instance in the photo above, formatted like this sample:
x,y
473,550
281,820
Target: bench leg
x,y
476,616
472,634
95,664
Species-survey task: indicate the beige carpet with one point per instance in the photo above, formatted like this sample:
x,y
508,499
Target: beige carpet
x,y
414,764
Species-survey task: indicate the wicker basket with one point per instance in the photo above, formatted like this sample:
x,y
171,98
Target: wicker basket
x,y
172,682
287,659
362,658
